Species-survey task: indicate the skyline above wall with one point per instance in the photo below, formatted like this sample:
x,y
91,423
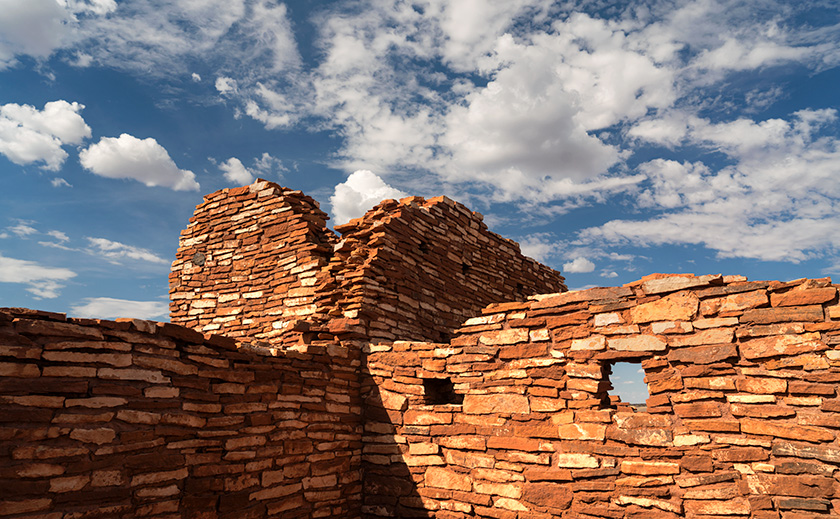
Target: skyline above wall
x,y
610,140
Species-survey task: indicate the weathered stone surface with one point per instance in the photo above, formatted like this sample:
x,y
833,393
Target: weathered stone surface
x,y
650,467
703,354
444,478
710,336
577,461
803,297
496,403
783,315
787,431
737,506
325,415
782,345
681,306
547,494
673,283
637,343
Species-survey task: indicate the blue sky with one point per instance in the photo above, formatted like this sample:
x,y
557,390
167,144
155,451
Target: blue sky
x,y
612,139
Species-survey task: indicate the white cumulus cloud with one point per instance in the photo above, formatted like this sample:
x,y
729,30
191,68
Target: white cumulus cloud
x,y
29,135
112,308
236,172
362,190
32,27
579,265
44,282
143,160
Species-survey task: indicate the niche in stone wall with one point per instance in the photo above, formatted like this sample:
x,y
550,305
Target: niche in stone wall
x,y
440,391
626,388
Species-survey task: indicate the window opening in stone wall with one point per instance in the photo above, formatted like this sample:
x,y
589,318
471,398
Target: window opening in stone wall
x,y
465,269
627,388
440,391
423,247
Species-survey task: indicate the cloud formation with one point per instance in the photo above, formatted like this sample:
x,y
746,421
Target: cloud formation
x,y
579,265
115,252
776,200
143,160
29,135
361,191
112,308
235,172
43,282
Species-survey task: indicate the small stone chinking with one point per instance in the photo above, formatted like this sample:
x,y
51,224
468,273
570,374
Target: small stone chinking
x,y
741,421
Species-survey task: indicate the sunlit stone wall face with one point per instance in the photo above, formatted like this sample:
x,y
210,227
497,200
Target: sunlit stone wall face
x,y
742,418
258,262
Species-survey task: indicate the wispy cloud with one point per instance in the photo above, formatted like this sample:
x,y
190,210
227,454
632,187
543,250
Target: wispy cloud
x,y
43,281
117,252
112,308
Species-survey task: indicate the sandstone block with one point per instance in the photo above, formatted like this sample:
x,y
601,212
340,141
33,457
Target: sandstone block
x,y
702,337
786,431
645,437
576,461
672,283
772,346
737,506
98,436
703,354
512,490
582,431
25,506
40,470
502,337
803,297
593,342
549,495
439,477
811,313
637,343
665,327
762,386
419,417
478,443
502,403
646,468
698,410
681,306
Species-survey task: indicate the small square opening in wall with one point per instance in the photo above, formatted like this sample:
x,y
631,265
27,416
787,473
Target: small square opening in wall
x,y
627,388
440,391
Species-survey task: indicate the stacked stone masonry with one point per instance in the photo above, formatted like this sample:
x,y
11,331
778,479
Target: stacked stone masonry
x,y
138,419
742,419
310,402
259,262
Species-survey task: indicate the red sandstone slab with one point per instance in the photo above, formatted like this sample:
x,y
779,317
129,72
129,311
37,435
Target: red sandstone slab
x,y
811,313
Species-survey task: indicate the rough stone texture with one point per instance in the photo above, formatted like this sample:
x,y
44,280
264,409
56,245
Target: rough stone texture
x,y
740,421
259,262
316,412
199,427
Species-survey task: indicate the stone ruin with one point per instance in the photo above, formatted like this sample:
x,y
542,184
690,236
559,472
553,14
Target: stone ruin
x,y
418,366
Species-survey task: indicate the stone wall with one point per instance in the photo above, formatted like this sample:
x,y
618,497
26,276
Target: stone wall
x,y
259,262
416,269
513,418
248,264
137,419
